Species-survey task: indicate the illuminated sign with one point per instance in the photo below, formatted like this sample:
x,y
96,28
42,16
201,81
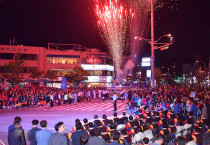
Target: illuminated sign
x,y
97,79
146,61
148,73
97,67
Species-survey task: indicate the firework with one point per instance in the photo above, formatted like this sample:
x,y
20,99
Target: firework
x,y
113,20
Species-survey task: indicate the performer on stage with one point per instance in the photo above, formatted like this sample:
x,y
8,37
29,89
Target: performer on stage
x,y
115,101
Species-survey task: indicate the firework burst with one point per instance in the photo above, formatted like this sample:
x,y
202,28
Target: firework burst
x,y
113,21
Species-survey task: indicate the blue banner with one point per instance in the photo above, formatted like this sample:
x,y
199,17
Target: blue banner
x,y
63,83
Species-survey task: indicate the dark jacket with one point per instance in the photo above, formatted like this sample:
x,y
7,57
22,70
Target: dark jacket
x,y
76,137
58,139
96,141
16,136
32,135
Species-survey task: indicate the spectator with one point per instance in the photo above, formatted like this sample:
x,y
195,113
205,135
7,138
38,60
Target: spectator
x,y
145,141
84,139
16,136
11,127
76,135
181,140
116,137
59,138
190,140
96,140
159,140
43,135
32,132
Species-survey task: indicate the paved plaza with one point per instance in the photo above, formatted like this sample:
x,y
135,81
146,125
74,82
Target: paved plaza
x,y
66,113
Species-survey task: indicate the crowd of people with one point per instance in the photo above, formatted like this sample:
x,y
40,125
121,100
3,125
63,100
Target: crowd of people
x,y
27,97
167,115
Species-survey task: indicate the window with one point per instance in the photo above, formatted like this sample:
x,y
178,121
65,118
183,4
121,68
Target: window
x,y
6,55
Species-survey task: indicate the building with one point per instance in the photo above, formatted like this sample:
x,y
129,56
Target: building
x,y
63,58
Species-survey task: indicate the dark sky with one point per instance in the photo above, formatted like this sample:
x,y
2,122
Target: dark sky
x,y
37,22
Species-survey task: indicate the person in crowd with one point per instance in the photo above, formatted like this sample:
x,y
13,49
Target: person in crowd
x,y
181,140
159,140
96,140
115,119
145,141
84,139
76,135
190,140
114,97
11,127
43,135
116,139
59,138
32,132
16,136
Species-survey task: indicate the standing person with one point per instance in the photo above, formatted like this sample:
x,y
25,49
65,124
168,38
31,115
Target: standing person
x,y
194,109
94,93
126,95
16,136
65,98
43,136
11,127
115,101
75,98
32,132
59,138
88,96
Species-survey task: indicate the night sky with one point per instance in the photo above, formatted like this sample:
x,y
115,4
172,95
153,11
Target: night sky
x,y
38,22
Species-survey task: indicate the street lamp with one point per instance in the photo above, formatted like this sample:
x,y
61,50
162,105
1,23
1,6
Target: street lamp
x,y
204,68
152,43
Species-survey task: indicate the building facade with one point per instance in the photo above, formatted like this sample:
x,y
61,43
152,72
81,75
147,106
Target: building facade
x,y
62,58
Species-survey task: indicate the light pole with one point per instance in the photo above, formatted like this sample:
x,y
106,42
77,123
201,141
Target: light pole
x,y
204,70
153,48
152,43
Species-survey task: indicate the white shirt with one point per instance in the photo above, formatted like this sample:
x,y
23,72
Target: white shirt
x,y
148,134
178,129
186,126
191,143
114,97
139,136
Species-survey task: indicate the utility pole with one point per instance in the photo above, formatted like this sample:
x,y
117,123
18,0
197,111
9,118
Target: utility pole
x,y
152,46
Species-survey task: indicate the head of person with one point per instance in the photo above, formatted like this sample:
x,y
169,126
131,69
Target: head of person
x,y
112,126
16,124
35,123
97,131
124,113
77,120
121,121
90,124
189,137
159,139
43,124
145,141
84,139
181,140
124,132
115,135
115,114
60,127
78,126
85,120
130,117
95,116
197,129
104,116
17,118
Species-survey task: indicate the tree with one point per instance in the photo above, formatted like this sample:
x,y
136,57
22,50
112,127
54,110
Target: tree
x,y
158,74
35,73
77,75
13,71
51,74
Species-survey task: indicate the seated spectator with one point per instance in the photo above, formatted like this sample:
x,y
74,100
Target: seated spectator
x,y
126,136
105,135
116,137
115,119
139,135
197,135
179,129
190,140
159,140
181,140
105,121
121,125
145,141
85,126
76,135
84,139
147,132
187,126
96,140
